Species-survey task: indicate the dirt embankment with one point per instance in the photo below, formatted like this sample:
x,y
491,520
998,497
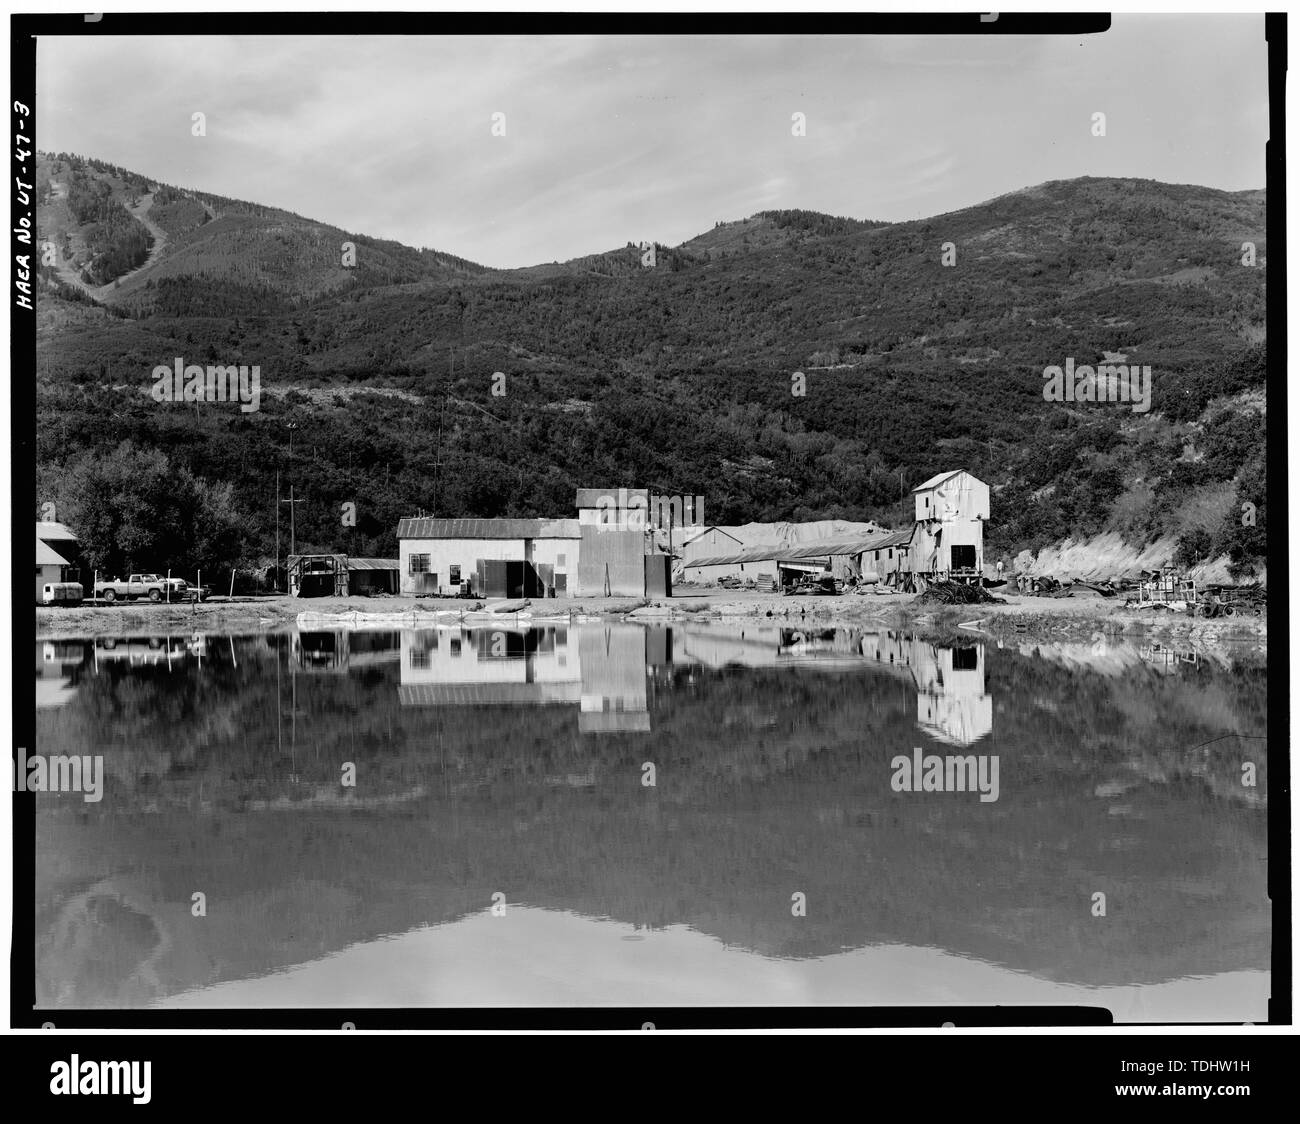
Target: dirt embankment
x,y
1110,556
1084,614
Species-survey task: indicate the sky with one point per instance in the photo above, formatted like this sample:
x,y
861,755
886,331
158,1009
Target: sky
x,y
610,140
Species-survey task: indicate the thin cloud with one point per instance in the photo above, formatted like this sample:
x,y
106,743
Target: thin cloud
x,y
619,139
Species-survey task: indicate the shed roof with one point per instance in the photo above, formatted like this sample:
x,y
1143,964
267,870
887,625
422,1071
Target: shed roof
x,y
426,527
698,532
374,564
892,538
54,532
48,556
815,548
935,481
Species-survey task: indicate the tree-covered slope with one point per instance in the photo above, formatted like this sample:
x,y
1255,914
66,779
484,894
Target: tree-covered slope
x,y
685,376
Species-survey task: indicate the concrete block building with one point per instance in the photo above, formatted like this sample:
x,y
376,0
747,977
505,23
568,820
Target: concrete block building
x,y
608,550
496,557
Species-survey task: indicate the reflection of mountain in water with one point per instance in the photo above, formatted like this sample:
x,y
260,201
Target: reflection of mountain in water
x,y
769,780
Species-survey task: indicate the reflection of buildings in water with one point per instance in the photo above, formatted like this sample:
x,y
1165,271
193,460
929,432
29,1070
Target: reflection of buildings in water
x,y
170,652
55,662
951,703
144,651
601,668
613,663
341,649
718,648
1167,660
770,646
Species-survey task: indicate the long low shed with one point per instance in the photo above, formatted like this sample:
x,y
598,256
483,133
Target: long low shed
x,y
374,575
880,553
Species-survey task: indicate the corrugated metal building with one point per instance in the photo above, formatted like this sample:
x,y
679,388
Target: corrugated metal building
x,y
374,575
948,540
706,542
337,575
844,557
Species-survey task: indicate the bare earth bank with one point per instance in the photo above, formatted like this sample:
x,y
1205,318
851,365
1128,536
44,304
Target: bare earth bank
x,y
1020,615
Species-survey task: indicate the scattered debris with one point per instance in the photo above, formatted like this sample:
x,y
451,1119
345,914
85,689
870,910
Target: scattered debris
x,y
816,585
958,593
1105,588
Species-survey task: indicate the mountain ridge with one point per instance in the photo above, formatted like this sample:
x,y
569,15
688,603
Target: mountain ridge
x,y
921,346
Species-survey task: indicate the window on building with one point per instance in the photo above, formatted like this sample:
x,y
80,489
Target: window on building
x,y
419,658
455,646
419,564
453,575
963,558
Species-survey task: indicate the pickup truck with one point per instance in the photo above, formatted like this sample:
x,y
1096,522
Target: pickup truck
x,y
143,585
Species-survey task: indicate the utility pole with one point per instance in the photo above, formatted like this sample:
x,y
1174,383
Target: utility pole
x,y
293,541
290,426
442,410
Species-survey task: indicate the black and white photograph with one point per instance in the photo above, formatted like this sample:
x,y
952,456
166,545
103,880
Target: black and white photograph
x,y
567,518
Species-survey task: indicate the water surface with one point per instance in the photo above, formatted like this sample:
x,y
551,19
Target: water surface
x,y
501,844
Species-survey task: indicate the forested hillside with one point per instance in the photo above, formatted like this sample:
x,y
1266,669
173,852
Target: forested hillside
x,y
684,376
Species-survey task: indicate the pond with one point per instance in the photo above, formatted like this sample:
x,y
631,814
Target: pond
x,y
617,815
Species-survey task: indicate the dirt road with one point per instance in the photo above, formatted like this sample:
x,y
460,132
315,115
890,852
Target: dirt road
x,y
140,211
